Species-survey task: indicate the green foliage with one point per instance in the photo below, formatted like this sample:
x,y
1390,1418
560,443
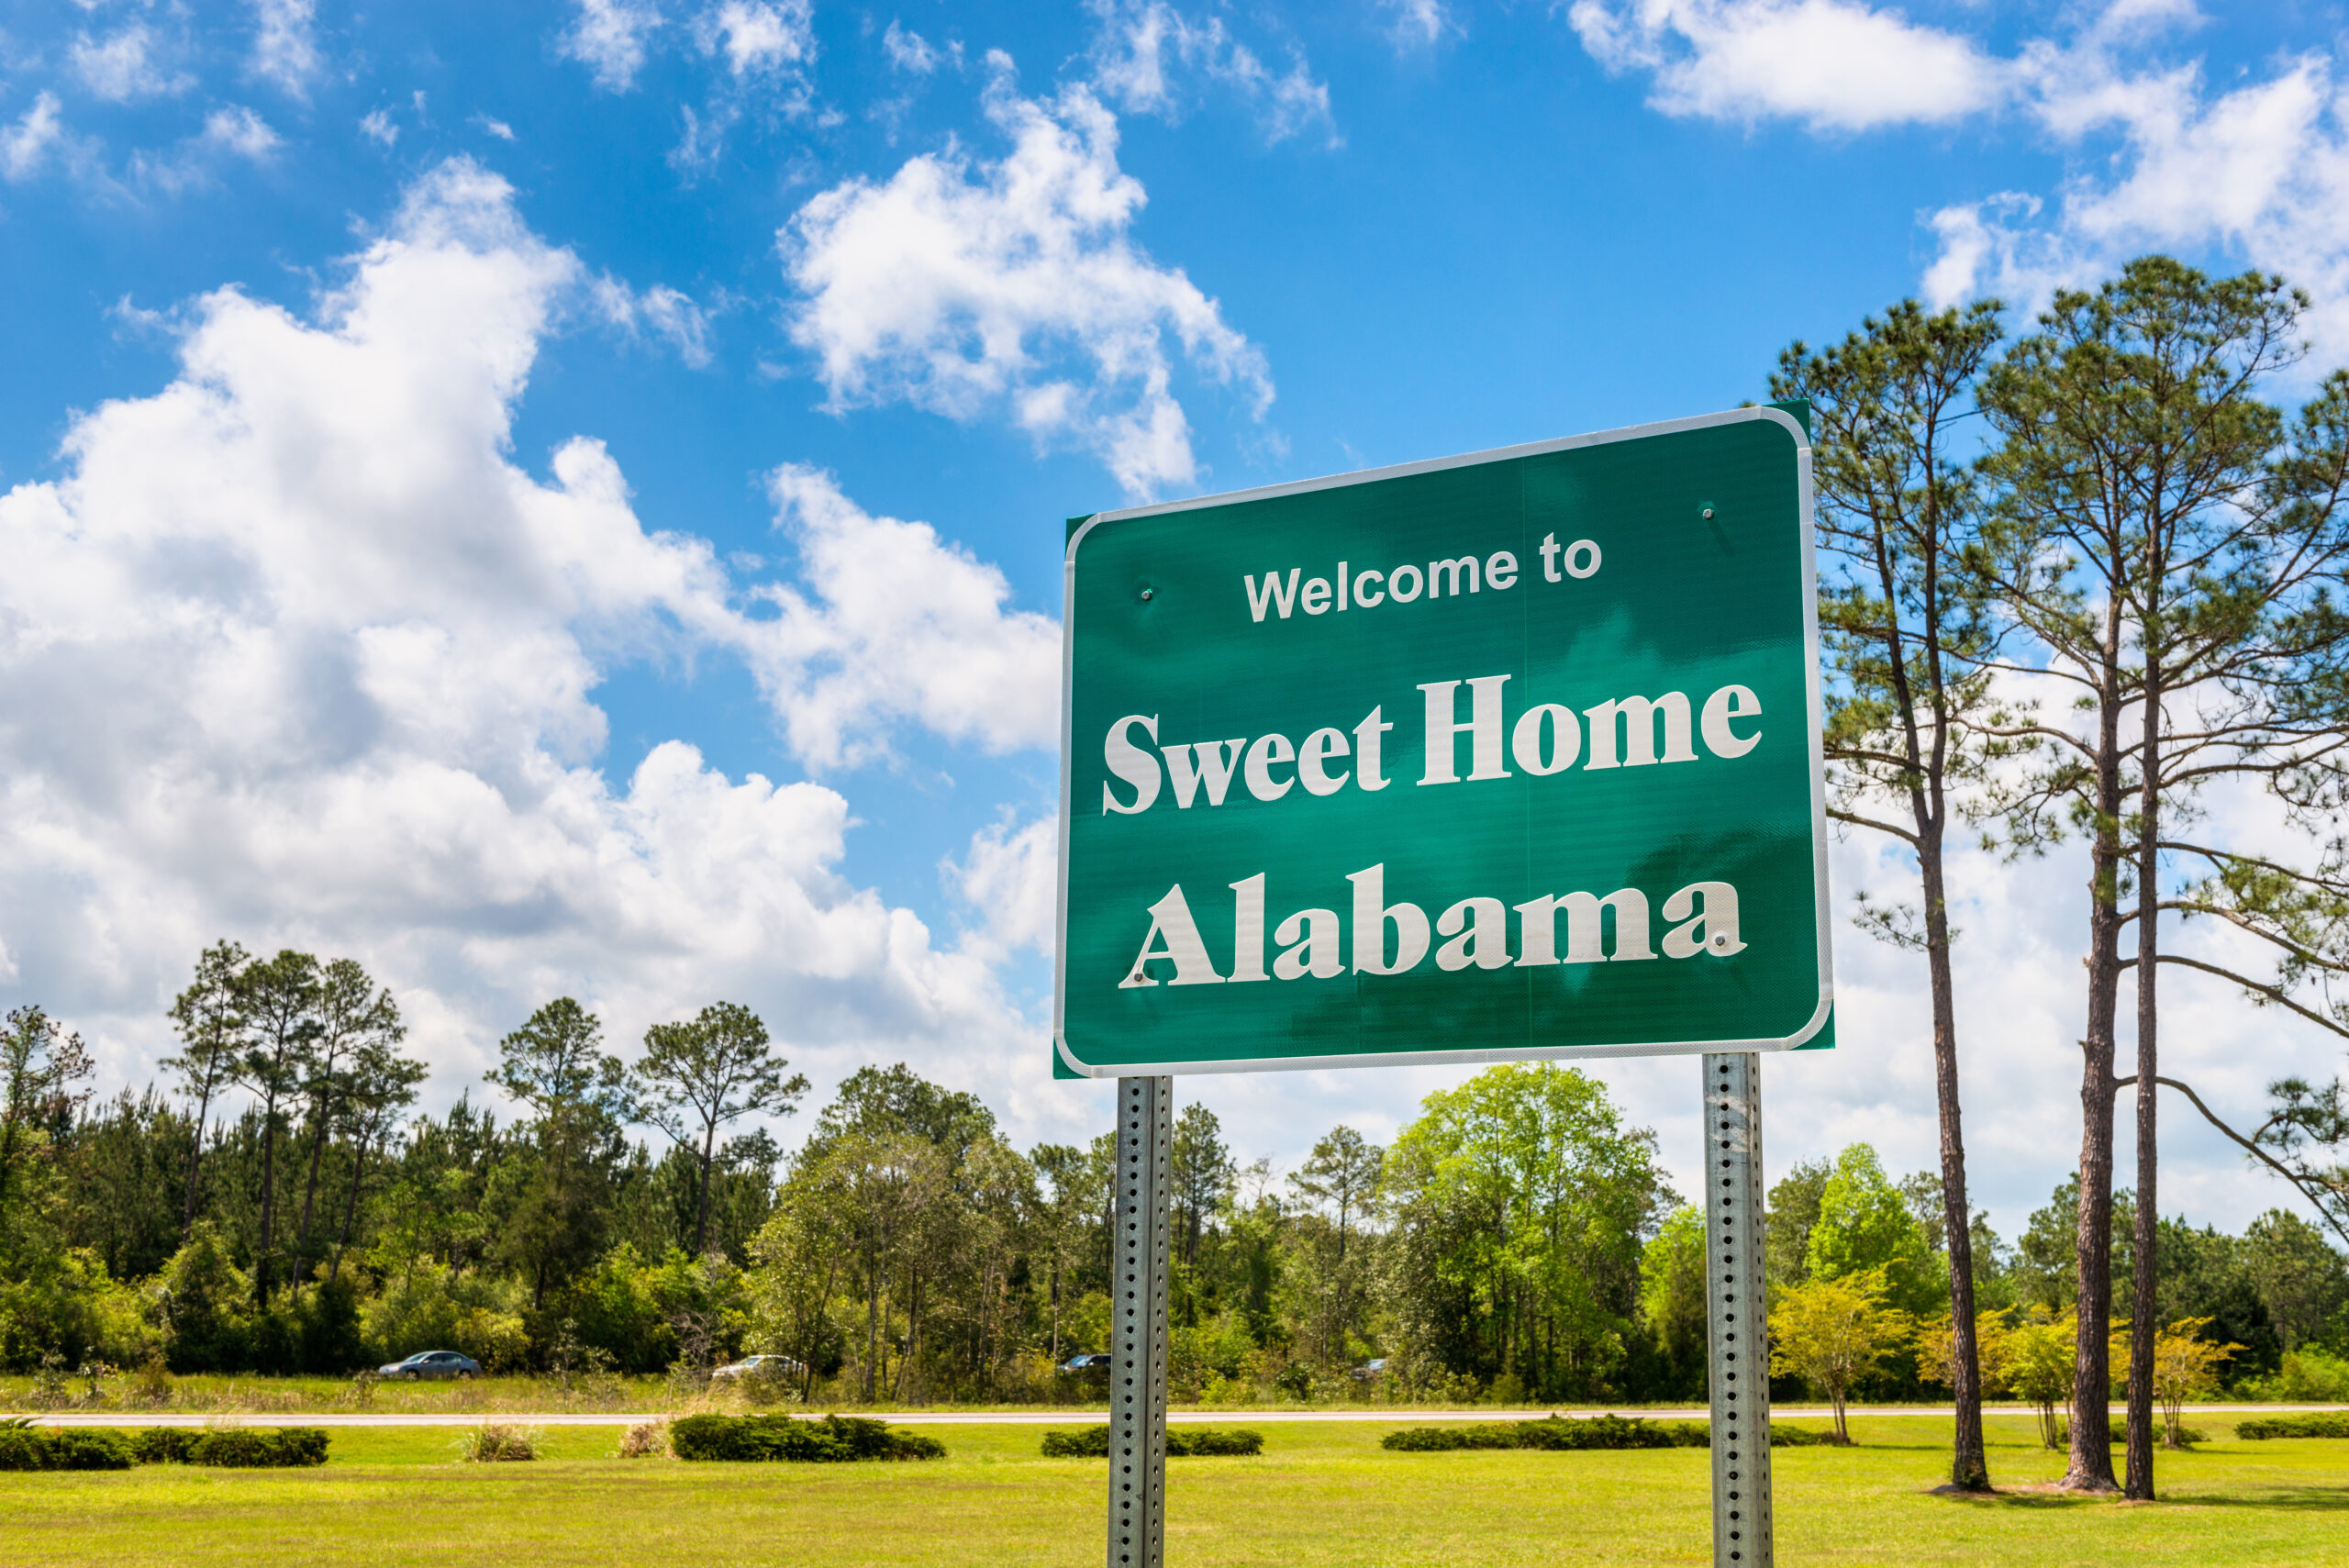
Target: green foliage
x,y
2324,1424
1556,1434
1866,1226
1671,1295
832,1439
2306,1376
1181,1442
1521,1202
165,1445
65,1448
249,1448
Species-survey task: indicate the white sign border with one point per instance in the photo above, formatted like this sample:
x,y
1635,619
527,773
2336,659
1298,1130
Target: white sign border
x,y
1824,901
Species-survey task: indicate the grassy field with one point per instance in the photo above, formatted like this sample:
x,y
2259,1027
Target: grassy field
x,y
1322,1494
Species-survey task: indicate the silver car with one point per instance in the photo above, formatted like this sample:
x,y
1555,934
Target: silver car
x,y
431,1363
757,1366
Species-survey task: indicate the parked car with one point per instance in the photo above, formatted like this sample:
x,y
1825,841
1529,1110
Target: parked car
x,y
1091,1362
431,1363
1370,1372
757,1366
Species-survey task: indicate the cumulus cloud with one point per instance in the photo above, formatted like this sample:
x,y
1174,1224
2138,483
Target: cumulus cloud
x,y
757,39
286,49
295,651
1833,64
609,37
123,65
1011,878
2260,171
2257,169
894,623
1145,47
966,287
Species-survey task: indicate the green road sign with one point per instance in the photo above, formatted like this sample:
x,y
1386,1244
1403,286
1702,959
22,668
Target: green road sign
x,y
1500,756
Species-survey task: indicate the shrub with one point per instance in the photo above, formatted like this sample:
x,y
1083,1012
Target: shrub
x,y
244,1448
646,1439
832,1439
21,1447
1181,1442
163,1445
1560,1433
71,1448
2328,1424
1555,1434
496,1443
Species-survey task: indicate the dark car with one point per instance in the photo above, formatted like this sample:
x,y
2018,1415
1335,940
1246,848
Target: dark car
x,y
432,1364
1093,1363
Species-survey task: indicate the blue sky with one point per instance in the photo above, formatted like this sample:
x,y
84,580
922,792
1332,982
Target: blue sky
x,y
311,636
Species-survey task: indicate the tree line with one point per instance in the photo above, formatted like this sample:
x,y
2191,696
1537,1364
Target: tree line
x,y
1518,1241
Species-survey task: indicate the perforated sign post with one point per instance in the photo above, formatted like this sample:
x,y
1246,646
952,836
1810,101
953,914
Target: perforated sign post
x,y
1504,756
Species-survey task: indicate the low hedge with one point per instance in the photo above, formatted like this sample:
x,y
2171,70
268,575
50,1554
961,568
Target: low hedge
x,y
1559,1433
65,1448
97,1448
1181,1442
833,1440
2326,1424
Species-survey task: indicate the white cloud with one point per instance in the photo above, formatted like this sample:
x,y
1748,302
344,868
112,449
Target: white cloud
x,y
608,37
294,651
285,50
1833,64
239,130
377,127
664,312
1144,46
122,66
1418,24
24,145
965,288
231,132
896,623
2258,172
1010,877
497,128
758,38
908,51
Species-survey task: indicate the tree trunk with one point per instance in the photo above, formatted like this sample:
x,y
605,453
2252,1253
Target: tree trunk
x,y
194,1153
350,1208
1969,1463
701,1207
2142,1306
261,1269
310,1193
2090,1469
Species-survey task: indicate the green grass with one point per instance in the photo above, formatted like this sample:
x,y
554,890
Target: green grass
x,y
1322,1494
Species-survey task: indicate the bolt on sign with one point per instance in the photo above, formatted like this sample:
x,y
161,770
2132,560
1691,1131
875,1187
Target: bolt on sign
x,y
1500,756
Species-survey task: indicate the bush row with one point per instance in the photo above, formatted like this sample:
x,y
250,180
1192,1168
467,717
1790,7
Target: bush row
x,y
2327,1424
1093,1442
832,1439
94,1447
1559,1432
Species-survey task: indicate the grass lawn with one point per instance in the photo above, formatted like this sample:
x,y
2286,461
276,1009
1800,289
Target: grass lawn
x,y
1322,1494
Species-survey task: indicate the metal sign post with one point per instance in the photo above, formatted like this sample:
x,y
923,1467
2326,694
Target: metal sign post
x,y
1138,1326
1738,1355
1509,756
